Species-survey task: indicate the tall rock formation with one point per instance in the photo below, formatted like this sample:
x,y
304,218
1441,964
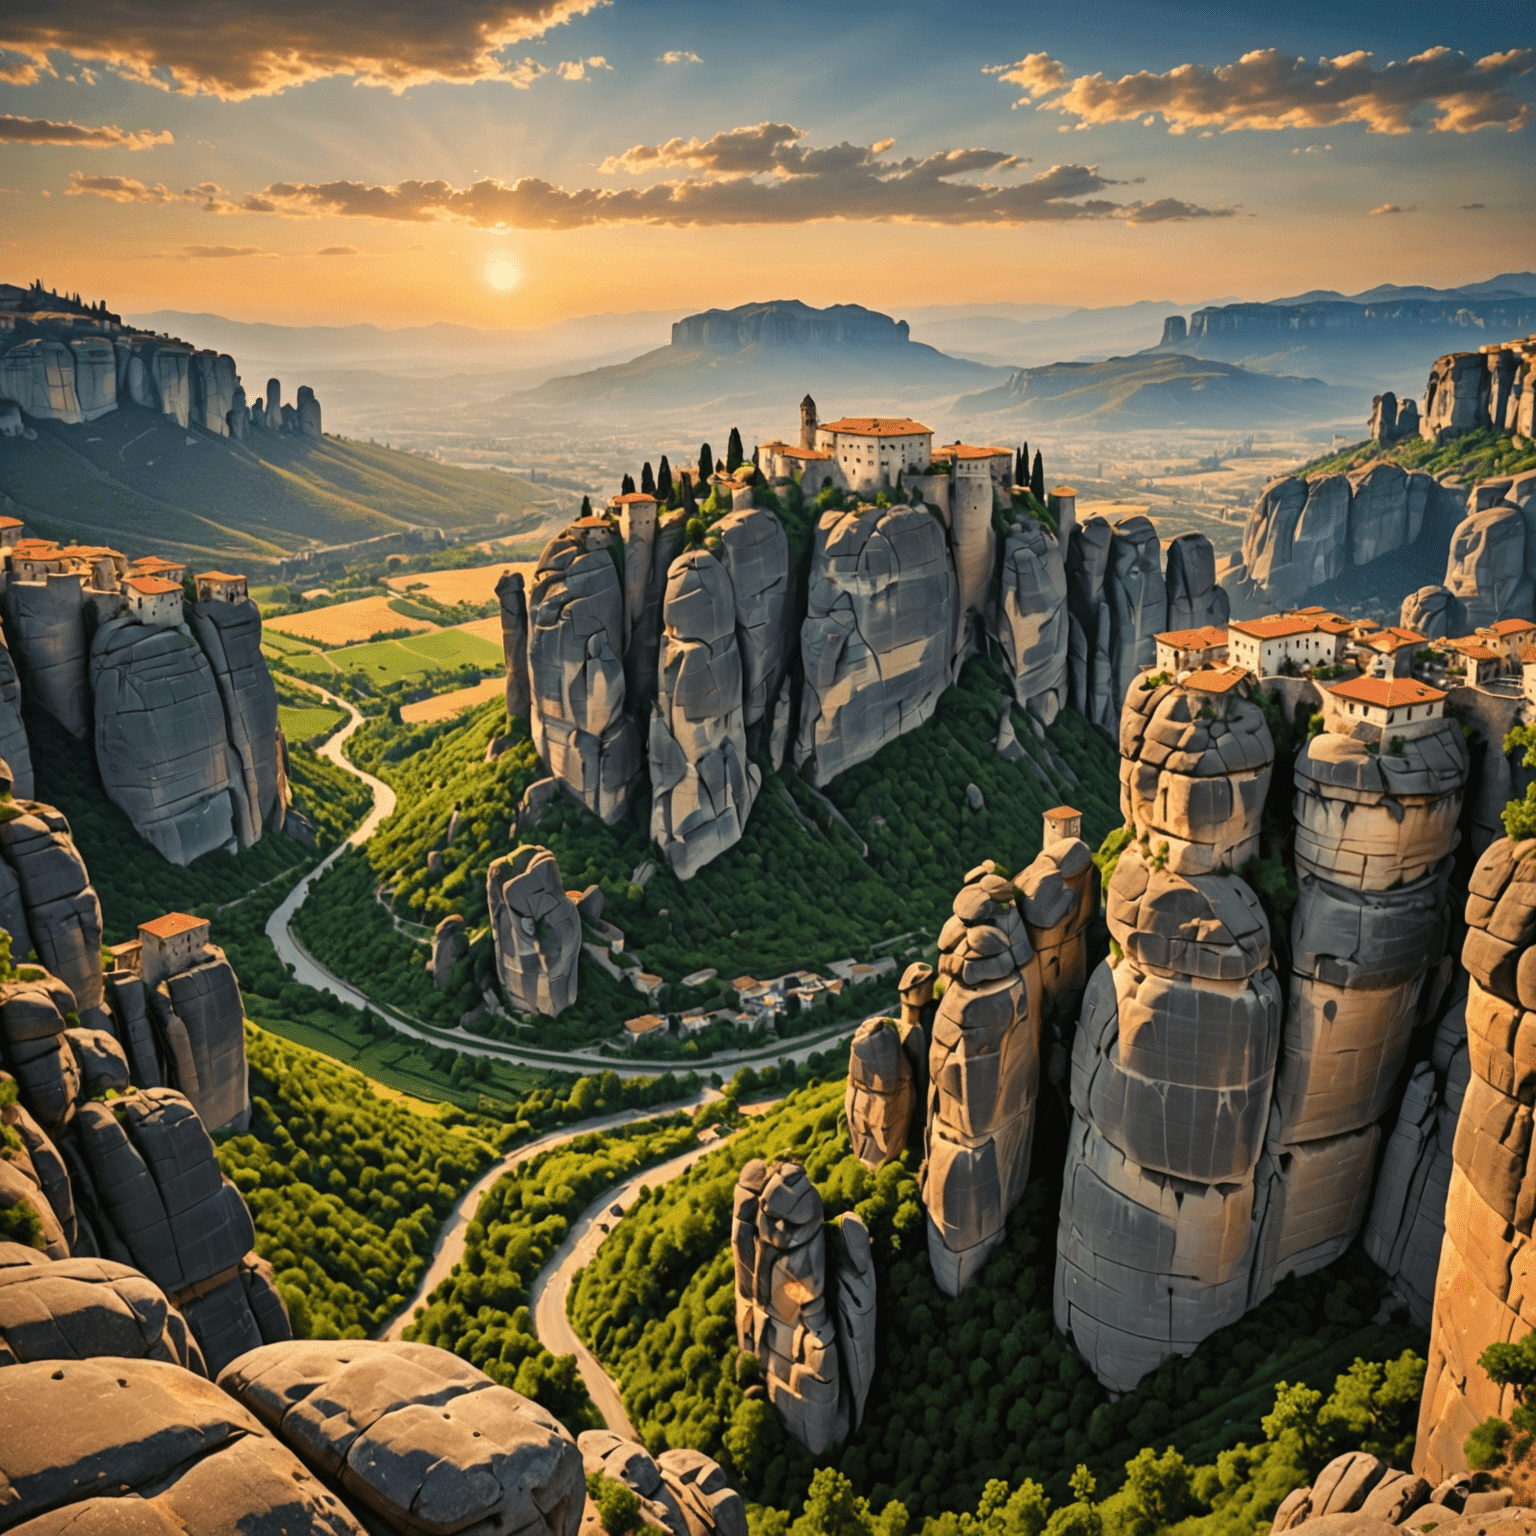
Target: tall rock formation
x,y
514,641
810,1329
15,749
702,782
1137,598
1374,831
755,551
877,634
1434,612
536,931
1059,898
47,627
1194,596
1172,1072
887,1067
230,637
1482,1294
1089,656
1456,397
201,1019
160,739
576,669
307,410
1486,571
983,1078
1033,626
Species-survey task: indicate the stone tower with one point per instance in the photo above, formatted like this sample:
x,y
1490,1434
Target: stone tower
x,y
807,423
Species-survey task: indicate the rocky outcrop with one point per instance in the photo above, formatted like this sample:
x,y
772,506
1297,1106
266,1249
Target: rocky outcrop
x,y
448,943
973,546
173,1454
1486,571
1392,420
983,1078
1172,1072
1386,510
1195,598
536,931
702,782
1434,612
230,637
885,1068
307,408
160,739
1089,667
1362,1494
415,1436
1194,774
47,629
1032,622
1481,1295
201,1019
15,749
682,1492
514,640
1456,397
214,382
39,375
576,671
877,634
755,551
1137,597
1058,896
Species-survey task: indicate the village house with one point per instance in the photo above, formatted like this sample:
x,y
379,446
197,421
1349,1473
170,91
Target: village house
x,y
169,945
152,600
1184,650
1218,680
11,530
873,451
1528,673
155,565
1379,708
220,587
976,463
1478,661
646,1024
1390,652
1509,637
1060,825
1264,647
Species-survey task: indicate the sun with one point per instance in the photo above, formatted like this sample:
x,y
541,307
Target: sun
x,y
502,271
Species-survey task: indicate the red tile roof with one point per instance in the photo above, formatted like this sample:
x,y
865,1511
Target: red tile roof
x,y
1387,692
1474,651
1216,679
1277,627
1199,639
172,924
152,586
218,576
970,451
876,426
630,497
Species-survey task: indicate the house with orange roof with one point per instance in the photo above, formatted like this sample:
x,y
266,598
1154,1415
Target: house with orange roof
x,y
873,451
1528,673
1265,646
221,587
1480,662
1379,708
1184,650
1509,637
11,530
975,463
153,600
1390,651
169,945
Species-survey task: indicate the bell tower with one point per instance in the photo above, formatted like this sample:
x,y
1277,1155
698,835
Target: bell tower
x,y
807,423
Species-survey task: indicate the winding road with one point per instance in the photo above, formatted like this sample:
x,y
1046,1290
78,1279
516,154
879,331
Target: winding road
x,y
304,968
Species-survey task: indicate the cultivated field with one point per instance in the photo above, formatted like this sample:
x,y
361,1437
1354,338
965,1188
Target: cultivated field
x,y
345,622
488,630
305,724
387,661
467,584
441,705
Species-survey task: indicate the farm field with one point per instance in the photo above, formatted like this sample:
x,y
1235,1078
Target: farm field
x,y
441,705
345,622
466,584
388,661
488,630
306,724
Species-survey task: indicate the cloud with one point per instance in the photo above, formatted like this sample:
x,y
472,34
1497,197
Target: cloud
x,y
207,195
1472,207
39,130
1392,208
234,50
1266,89
758,175
576,69
339,250
218,252
679,56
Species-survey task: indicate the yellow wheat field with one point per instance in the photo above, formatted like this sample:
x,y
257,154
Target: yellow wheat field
x,y
441,705
469,584
350,621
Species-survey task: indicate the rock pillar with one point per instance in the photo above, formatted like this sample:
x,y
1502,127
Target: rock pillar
x,y
536,930
514,640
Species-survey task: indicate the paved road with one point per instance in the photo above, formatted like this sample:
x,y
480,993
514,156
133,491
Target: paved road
x,y
451,1239
307,970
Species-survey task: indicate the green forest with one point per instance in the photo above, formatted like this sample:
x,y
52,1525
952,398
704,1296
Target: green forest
x,y
797,891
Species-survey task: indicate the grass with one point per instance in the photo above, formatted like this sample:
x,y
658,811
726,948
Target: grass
x,y
454,648
390,661
135,480
275,643
1473,455
307,724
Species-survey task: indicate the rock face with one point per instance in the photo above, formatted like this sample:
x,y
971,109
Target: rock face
x,y
1194,596
514,640
1386,510
680,1491
176,1453
882,1096
1456,397
576,671
1481,1294
49,634
1435,613
983,1078
15,749
160,739
1194,773
1486,572
1137,598
308,413
536,931
702,781
1172,1072
230,637
1089,668
1032,621
1361,1493
877,634
414,1435
1269,535
755,552
1059,898
202,1021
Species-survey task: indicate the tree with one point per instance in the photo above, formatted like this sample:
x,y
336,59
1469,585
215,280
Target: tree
x,y
1021,465
1376,1406
734,457
1520,815
664,480
1292,1423
627,486
618,1506
1037,479
690,504
647,479
706,463
586,506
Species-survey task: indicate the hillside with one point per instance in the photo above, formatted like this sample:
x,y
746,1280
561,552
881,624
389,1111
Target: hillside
x,y
1159,390
134,478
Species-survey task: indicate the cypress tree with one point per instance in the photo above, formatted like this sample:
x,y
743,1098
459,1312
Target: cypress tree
x,y
586,506
628,485
1037,480
664,480
690,506
734,457
647,479
706,463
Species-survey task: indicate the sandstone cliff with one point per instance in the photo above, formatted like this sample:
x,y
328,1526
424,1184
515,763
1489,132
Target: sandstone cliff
x,y
1032,621
536,931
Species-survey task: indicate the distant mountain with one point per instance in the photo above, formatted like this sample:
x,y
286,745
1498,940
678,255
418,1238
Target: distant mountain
x,y
1160,391
1385,338
757,352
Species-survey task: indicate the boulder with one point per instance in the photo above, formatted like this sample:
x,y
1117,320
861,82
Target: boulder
x,y
47,628
54,892
447,945
238,421
876,638
213,383
514,640
785,1317
755,554
702,782
34,1015
535,929
1194,773
881,1098
307,410
418,1437
160,739
1195,598
1486,568
710,1506
1058,897
983,1078
15,749
230,636
79,1309
856,1302
172,1454
1032,621
27,1180
576,671
1434,612
100,1061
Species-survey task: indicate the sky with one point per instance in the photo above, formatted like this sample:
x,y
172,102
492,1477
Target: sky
x,y
518,162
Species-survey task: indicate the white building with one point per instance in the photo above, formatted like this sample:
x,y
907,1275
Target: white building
x,y
169,945
976,463
1528,673
815,466
221,587
1263,646
153,600
1183,650
873,451
1390,652
1510,638
1380,708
